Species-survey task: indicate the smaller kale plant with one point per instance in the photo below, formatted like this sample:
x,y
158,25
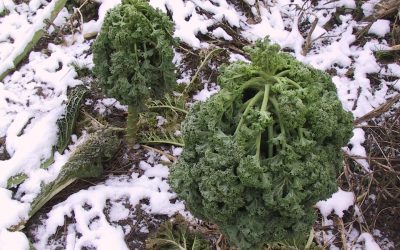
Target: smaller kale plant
x,y
261,152
86,161
133,57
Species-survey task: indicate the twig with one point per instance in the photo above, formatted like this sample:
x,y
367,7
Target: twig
x,y
379,146
342,233
203,63
308,43
170,157
378,111
169,107
219,242
376,218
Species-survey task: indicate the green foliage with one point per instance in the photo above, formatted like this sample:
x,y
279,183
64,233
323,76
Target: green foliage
x,y
165,137
133,53
133,57
86,161
17,179
174,110
261,152
176,236
66,126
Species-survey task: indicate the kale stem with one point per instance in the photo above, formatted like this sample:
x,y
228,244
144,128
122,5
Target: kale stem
x,y
293,83
131,126
263,109
255,82
280,120
270,137
252,102
268,78
169,107
282,73
266,97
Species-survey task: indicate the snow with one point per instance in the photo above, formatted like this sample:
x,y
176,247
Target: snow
x,y
21,30
104,106
237,57
94,26
380,27
13,240
11,210
33,98
369,242
206,92
368,7
357,149
177,151
131,189
118,212
161,120
221,33
339,202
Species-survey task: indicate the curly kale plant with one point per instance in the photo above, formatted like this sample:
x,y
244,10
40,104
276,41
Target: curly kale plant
x,y
133,56
263,150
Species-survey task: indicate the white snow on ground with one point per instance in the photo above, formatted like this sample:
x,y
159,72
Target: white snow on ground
x,y
13,240
380,27
339,202
88,207
369,242
33,98
18,29
206,92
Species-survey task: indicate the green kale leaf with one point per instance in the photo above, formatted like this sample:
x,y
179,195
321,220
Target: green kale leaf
x,y
133,56
261,152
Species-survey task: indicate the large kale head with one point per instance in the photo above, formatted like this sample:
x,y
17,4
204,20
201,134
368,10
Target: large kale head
x,y
261,152
133,53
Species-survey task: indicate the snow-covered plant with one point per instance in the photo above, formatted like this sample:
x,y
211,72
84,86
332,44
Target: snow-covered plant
x,y
66,125
133,56
262,151
86,161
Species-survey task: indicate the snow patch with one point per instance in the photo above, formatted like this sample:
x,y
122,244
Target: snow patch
x,y
380,27
339,202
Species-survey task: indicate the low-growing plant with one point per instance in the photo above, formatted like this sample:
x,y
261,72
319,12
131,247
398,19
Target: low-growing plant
x,y
133,57
176,235
260,153
86,161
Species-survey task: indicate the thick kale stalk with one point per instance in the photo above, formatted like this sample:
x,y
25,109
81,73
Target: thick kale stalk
x,y
263,150
133,57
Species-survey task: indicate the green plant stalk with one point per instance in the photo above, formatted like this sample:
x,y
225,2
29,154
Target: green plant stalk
x,y
256,82
288,80
282,73
283,131
263,109
251,104
132,124
310,239
59,4
40,204
169,107
178,144
270,137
